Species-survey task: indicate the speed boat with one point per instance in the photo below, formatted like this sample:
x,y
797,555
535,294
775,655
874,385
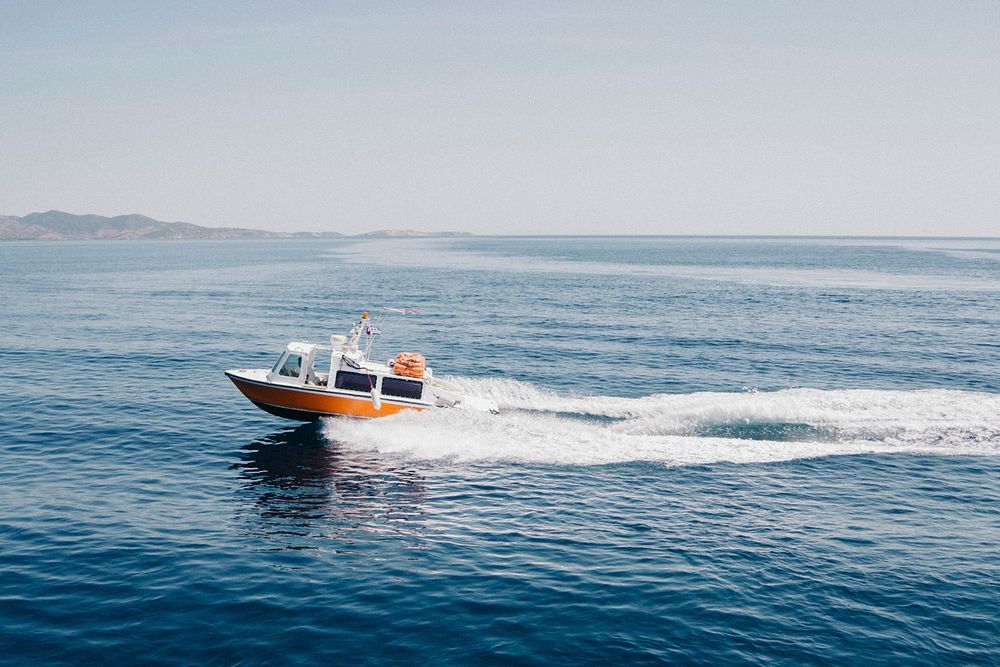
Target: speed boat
x,y
310,381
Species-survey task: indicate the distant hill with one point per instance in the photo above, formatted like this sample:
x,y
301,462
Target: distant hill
x,y
57,225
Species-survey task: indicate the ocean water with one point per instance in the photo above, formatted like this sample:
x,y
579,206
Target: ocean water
x,y
742,450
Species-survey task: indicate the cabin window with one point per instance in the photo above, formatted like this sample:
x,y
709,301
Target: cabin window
x,y
403,388
355,381
292,366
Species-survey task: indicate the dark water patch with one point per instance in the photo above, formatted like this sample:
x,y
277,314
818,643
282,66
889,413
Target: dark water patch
x,y
778,432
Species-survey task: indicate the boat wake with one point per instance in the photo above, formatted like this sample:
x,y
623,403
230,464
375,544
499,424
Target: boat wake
x,y
543,427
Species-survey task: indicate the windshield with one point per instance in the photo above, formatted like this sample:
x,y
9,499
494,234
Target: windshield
x,y
288,365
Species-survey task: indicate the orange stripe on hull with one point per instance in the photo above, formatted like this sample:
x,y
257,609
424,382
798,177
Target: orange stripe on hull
x,y
316,402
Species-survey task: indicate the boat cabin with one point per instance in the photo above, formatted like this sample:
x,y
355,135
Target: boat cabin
x,y
311,365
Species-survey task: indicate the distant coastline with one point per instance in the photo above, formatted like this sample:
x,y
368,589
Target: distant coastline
x,y
62,226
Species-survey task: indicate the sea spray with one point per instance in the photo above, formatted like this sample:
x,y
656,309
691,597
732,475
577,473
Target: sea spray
x,y
540,426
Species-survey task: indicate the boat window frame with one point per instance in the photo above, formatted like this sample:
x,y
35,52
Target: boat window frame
x,y
283,362
279,363
371,378
401,382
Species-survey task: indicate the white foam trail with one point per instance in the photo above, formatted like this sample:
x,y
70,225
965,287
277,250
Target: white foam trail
x,y
664,428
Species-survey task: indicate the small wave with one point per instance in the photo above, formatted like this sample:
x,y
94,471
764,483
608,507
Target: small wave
x,y
540,426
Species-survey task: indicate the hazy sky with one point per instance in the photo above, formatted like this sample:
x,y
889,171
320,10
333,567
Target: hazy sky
x,y
649,118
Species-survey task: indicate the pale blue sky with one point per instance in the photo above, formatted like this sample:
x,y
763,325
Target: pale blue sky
x,y
594,118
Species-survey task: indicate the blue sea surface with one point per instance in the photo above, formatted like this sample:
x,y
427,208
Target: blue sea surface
x,y
710,450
